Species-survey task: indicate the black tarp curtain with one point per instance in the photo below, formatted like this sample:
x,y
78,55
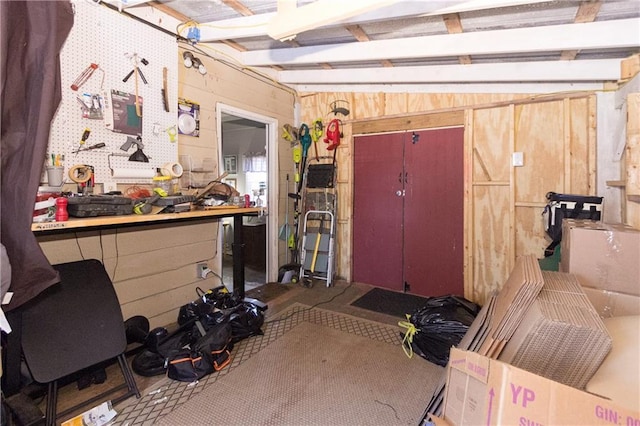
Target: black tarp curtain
x,y
32,34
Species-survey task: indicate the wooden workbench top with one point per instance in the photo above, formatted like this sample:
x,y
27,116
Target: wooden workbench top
x,y
134,219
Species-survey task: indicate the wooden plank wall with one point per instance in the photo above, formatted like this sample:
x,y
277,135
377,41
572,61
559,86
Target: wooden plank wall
x,y
244,90
504,204
632,161
153,267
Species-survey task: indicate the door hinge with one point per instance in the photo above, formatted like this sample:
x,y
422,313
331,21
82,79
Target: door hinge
x,y
415,138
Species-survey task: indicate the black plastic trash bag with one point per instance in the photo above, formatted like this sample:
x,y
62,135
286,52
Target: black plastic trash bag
x,y
439,325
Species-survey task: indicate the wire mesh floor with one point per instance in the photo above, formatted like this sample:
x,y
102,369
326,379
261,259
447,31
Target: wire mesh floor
x,y
168,394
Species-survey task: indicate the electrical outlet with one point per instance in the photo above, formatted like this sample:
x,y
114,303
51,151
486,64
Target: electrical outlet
x,y
109,186
517,159
202,270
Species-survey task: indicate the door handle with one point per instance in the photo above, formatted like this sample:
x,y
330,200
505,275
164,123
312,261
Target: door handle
x,y
400,192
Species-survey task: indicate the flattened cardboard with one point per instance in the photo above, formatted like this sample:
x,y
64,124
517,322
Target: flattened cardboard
x,y
483,391
520,290
561,318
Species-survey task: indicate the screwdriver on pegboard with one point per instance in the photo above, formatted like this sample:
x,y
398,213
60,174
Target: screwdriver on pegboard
x,y
85,136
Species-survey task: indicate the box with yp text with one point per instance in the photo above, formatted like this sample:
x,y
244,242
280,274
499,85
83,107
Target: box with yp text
x,y
484,391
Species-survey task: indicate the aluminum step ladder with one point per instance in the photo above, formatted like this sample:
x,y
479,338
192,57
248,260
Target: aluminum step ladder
x,y
318,246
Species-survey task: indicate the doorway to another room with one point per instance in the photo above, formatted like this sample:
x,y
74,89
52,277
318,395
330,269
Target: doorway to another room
x,y
244,144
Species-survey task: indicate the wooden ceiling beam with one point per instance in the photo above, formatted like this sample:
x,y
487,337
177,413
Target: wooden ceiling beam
x,y
504,72
256,25
587,12
238,7
290,22
601,35
454,26
359,34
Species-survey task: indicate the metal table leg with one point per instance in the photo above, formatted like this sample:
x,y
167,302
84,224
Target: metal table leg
x,y
238,256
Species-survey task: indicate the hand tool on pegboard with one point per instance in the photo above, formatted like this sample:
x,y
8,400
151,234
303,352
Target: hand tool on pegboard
x,y
89,148
85,76
85,136
137,72
165,91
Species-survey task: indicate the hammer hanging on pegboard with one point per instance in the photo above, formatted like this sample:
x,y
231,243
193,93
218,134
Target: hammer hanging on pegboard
x,y
136,71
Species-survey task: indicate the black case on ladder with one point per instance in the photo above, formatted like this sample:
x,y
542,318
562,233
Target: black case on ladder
x,y
569,206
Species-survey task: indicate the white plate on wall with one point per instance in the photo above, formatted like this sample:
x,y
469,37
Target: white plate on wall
x,y
186,124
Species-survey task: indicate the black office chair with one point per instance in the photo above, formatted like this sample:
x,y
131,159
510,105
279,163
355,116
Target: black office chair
x,y
73,325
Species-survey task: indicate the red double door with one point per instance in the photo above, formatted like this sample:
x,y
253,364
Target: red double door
x,y
408,211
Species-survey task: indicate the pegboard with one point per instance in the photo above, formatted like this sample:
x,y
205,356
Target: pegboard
x,y
109,39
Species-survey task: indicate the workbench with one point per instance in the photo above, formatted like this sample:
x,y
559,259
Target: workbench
x,y
101,222
13,353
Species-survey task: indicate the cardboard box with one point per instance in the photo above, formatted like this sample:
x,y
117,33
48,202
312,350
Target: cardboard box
x,y
561,337
602,256
483,391
612,304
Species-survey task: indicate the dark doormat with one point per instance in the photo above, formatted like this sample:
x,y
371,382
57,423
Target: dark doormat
x,y
390,302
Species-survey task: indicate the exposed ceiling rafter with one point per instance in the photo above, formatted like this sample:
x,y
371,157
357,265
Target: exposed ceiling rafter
x,y
542,71
454,26
418,45
359,34
594,35
587,12
257,25
291,21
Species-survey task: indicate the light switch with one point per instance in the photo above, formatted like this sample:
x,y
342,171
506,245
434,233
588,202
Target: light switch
x,y
518,159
